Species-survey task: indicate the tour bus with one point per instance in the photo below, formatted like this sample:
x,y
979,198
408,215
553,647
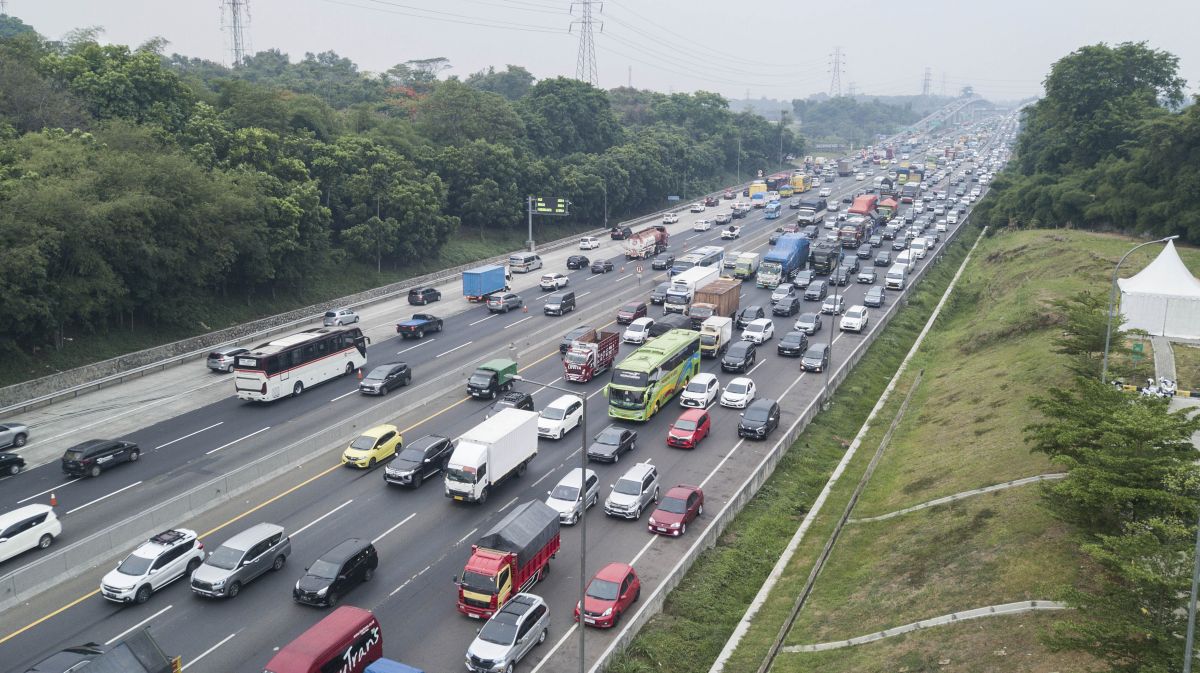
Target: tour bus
x,y
288,365
646,381
707,255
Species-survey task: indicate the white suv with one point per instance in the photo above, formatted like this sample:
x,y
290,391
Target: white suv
x,y
166,557
560,417
855,319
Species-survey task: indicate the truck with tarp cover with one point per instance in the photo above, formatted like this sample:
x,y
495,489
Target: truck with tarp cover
x,y
510,558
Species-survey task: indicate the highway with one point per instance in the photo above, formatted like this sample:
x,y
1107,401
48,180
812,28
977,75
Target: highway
x,y
422,537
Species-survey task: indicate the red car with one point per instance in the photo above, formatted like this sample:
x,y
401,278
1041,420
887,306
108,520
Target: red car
x,y
681,504
610,593
631,311
691,427
728,194
712,201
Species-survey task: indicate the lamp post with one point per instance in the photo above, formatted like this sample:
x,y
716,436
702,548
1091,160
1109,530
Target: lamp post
x,y
1112,298
583,461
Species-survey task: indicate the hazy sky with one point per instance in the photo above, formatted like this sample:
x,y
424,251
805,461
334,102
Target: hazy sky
x,y
778,50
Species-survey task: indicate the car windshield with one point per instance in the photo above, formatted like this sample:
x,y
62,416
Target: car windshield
x,y
135,565
576,357
628,487
697,386
460,475
636,327
225,558
363,443
625,377
707,340
609,436
737,388
685,424
756,414
739,349
673,505
603,590
412,455
378,374
753,327
480,380
498,632
565,492
793,338
324,569
483,584
554,413
854,314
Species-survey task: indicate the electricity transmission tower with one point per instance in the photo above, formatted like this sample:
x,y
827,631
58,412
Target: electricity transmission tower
x,y
837,64
585,63
235,17
3,6
927,83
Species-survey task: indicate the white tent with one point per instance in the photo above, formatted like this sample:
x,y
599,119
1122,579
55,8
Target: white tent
x,y
1163,298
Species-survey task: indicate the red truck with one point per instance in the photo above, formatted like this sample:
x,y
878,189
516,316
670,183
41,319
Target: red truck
x,y
509,559
646,243
590,355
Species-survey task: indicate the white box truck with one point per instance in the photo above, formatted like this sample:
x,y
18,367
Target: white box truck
x,y
683,287
487,454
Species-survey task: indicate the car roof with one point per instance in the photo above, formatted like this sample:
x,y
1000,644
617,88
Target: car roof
x,y
563,401
614,572
644,320
425,441
740,345
681,491
344,550
11,517
252,536
572,477
704,376
378,430
638,471
760,321
692,414
164,541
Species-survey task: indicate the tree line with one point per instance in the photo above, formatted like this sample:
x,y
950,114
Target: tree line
x,y
848,120
1110,146
137,187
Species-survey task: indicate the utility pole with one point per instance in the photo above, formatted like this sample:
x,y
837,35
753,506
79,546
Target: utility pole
x,y
836,64
585,62
927,82
782,120
3,6
235,17
739,159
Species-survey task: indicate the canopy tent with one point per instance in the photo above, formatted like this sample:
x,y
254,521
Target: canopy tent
x,y
1163,298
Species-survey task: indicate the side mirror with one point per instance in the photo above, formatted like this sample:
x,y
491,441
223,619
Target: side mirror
x,y
154,571
547,492
341,578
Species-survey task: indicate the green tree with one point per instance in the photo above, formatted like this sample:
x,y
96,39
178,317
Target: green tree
x,y
455,113
513,82
564,116
1084,325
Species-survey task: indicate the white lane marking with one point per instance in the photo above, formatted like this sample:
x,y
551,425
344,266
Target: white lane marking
x,y
464,538
192,434
324,516
541,478
510,504
53,488
595,393
136,626
644,548
482,319
397,589
518,322
454,349
742,295
384,533
209,651
583,295
346,395
555,648
623,277
103,497
225,446
761,363
423,342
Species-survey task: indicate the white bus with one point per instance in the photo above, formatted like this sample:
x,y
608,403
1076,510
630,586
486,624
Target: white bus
x,y
288,365
708,255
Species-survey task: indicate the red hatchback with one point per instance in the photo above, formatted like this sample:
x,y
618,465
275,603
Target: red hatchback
x,y
631,311
680,505
693,425
610,593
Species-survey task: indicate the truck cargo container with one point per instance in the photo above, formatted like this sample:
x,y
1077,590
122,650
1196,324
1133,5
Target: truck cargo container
x,y
492,378
683,287
746,265
509,559
590,355
825,257
716,334
489,453
481,281
646,243
718,298
783,261
867,204
843,167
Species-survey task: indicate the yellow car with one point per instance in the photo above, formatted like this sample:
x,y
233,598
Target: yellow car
x,y
373,446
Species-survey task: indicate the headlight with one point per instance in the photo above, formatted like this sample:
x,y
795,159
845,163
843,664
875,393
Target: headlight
x,y
653,522
674,525
219,584
323,591
607,612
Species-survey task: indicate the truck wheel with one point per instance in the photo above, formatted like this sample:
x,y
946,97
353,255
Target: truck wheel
x,y
483,495
521,469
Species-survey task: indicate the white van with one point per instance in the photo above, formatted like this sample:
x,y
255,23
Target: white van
x,y
524,262
896,277
906,256
918,247
28,527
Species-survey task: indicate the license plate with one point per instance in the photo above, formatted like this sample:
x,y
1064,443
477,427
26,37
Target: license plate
x,y
589,620
458,497
661,530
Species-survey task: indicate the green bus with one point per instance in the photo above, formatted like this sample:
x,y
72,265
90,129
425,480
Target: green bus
x,y
646,381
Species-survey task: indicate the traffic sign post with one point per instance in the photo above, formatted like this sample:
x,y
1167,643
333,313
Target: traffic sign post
x,y
554,206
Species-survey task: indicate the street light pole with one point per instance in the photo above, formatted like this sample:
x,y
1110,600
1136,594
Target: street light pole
x,y
583,462
604,187
1112,298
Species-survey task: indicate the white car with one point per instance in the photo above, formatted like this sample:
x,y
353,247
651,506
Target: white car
x,y
759,330
670,218
825,191
833,207
702,225
941,225
738,393
565,496
589,243
833,305
697,208
700,391
164,558
637,331
855,319
554,281
30,526
560,417
731,232
860,176
952,218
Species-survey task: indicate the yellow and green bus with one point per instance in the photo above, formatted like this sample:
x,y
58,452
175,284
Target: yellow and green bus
x,y
646,381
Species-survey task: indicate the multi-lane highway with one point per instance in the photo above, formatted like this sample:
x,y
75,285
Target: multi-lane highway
x,y
422,537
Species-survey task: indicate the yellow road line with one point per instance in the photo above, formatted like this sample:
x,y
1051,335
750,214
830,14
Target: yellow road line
x,y
34,623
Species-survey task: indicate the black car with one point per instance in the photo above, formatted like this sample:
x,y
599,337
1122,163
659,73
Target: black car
x,y
816,291
419,296
883,258
384,378
611,442
809,323
793,344
565,344
514,399
659,294
723,218
602,266
662,262
864,251
900,243
875,241
746,191
620,233
816,358
748,314
759,419
69,659
810,232
10,463
875,297
739,357
738,213
578,262
420,459
803,278
848,200
337,571
775,236
95,455
840,276
850,264
787,306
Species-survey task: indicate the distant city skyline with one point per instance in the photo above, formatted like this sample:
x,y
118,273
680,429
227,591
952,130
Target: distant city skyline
x,y
1002,50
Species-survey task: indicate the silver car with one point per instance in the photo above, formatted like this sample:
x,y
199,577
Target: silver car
x,y
223,359
241,559
509,635
633,492
13,434
565,496
340,316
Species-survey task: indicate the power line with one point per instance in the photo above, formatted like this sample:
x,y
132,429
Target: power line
x,y
585,62
235,16
835,78
457,19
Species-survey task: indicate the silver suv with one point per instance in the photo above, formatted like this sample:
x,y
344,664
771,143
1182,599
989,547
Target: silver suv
x,y
636,489
340,316
503,302
565,498
509,635
241,559
222,359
